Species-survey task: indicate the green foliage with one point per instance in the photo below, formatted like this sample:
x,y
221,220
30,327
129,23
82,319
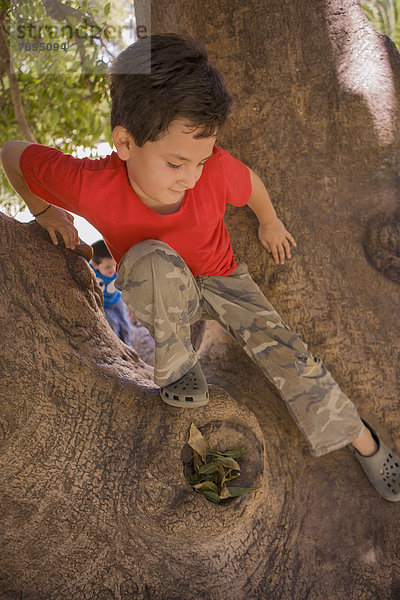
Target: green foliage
x,y
211,472
385,17
64,92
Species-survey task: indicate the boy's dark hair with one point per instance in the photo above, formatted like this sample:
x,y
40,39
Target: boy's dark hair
x,y
163,77
100,251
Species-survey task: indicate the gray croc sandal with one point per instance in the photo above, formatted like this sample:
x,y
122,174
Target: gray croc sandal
x,y
382,468
190,391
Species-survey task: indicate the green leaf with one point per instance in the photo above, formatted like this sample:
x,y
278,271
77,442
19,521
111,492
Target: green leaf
x,y
206,485
107,8
197,441
211,496
239,491
208,469
227,462
231,453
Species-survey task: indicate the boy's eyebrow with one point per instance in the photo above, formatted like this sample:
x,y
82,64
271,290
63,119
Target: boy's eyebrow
x,y
186,159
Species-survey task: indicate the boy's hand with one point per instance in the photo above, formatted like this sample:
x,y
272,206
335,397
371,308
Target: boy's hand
x,y
56,219
275,238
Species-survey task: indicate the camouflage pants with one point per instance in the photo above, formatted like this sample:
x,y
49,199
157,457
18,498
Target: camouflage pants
x,y
162,293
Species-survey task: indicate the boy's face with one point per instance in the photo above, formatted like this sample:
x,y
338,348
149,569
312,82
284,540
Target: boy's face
x,y
160,172
106,267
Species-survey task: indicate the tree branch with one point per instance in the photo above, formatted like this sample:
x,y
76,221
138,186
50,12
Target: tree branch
x,y
15,92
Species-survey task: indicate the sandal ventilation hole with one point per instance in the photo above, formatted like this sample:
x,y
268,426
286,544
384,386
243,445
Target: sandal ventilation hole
x,y
188,399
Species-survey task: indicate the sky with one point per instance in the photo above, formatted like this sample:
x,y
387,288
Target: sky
x,y
87,232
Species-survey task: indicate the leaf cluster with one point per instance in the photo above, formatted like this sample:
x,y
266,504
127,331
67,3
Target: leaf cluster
x,y
211,472
63,94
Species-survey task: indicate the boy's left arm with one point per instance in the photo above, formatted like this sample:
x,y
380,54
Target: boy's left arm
x,y
271,231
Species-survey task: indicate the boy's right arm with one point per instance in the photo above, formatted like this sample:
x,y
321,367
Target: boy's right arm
x,y
54,219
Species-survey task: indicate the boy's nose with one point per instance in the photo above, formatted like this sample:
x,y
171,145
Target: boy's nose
x,y
188,180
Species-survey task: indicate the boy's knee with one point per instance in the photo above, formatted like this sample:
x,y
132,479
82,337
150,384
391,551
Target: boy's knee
x,y
149,260
150,252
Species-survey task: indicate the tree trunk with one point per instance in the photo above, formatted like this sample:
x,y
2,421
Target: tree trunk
x,y
94,500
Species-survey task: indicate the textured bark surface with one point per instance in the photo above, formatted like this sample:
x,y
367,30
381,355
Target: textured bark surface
x,y
93,498
94,501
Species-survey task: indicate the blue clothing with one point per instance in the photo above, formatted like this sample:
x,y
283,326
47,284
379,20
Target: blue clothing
x,y
116,312
118,318
110,292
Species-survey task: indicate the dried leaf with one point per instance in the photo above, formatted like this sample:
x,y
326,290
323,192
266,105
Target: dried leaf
x,y
210,478
225,493
239,491
197,461
197,441
220,477
227,462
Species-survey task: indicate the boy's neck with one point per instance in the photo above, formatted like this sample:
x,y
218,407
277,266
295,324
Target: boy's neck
x,y
163,209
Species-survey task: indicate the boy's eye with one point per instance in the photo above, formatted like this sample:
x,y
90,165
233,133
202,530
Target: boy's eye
x,y
178,166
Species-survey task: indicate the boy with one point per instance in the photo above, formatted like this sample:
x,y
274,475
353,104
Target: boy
x,y
117,315
159,202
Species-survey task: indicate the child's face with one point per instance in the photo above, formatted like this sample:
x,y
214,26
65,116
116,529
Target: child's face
x,y
160,172
106,267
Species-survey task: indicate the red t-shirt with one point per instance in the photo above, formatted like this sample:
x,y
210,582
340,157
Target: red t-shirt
x,y
99,190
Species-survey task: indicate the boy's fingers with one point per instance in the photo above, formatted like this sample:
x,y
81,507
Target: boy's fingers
x,y
53,236
287,248
291,239
275,255
281,254
67,234
71,239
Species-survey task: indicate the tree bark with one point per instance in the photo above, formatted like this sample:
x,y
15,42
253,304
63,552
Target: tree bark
x,y
94,501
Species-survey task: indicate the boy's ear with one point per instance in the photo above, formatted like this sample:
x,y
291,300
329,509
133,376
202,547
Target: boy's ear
x,y
123,142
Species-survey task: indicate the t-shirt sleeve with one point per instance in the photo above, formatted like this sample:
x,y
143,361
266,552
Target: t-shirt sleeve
x,y
52,175
237,180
